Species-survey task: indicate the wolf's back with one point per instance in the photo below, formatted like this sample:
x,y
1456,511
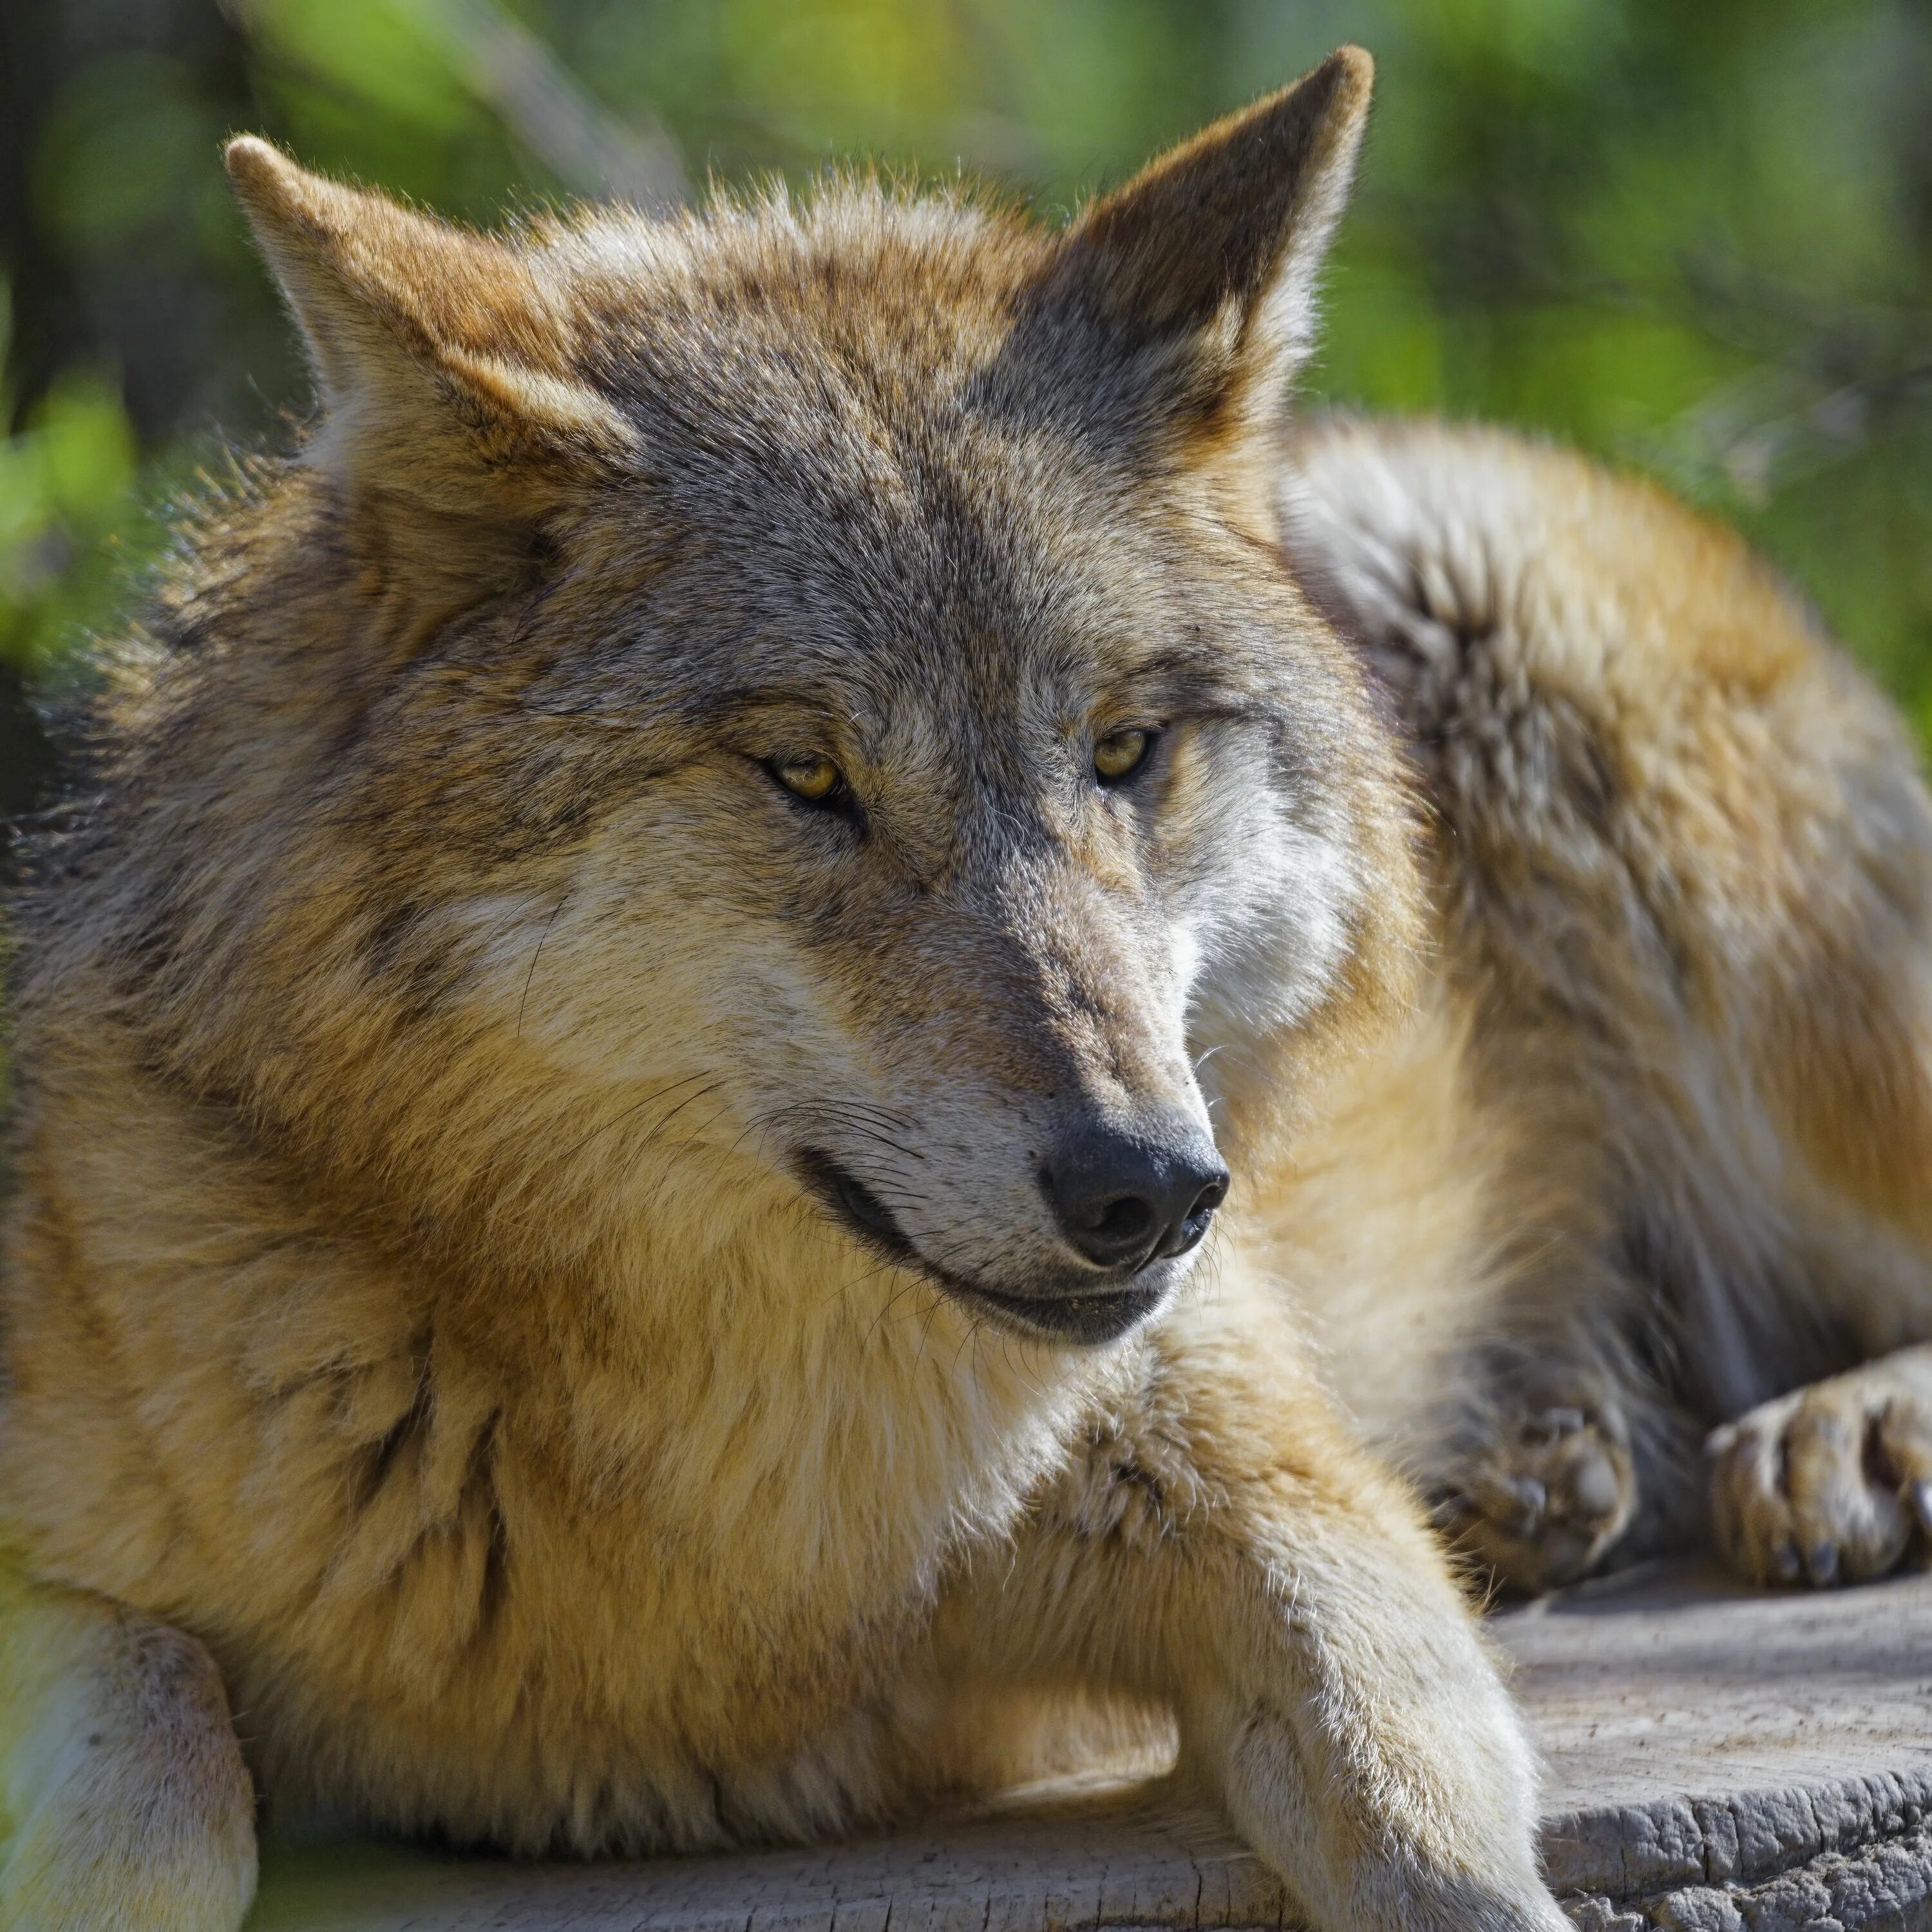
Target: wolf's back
x,y
1428,540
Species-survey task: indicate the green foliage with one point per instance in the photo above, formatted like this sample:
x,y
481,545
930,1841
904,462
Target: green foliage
x,y
66,480
1696,239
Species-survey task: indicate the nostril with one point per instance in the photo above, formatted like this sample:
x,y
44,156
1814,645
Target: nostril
x,y
1189,1231
1210,1198
1110,1229
1126,1220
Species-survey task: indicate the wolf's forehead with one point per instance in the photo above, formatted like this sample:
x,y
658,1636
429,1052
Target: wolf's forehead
x,y
946,593
940,570
853,347
825,411
876,433
828,516
910,636
901,680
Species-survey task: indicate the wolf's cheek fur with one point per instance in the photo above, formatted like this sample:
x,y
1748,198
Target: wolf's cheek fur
x,y
1273,940
1262,901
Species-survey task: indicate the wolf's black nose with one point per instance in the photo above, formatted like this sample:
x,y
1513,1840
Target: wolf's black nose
x,y
1123,1200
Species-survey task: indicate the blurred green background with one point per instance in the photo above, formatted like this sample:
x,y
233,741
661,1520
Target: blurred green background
x,y
1695,236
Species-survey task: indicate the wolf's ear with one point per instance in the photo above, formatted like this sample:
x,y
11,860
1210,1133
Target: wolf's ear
x,y
1208,258
444,359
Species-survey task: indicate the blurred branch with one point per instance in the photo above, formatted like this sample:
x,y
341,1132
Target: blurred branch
x,y
544,106
1835,337
1766,429
1833,375
551,111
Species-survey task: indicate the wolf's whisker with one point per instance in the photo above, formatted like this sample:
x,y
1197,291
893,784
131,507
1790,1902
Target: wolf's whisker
x,y
531,975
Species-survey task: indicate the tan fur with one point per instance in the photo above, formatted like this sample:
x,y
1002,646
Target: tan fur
x,y
549,1256
1685,859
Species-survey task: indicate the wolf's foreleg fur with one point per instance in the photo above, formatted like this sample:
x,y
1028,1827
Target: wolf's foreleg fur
x,y
1225,1551
127,1802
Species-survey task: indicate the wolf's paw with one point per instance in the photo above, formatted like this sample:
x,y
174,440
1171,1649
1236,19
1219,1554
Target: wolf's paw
x,y
1831,1484
1460,1904
123,1782
1449,1852
1543,1499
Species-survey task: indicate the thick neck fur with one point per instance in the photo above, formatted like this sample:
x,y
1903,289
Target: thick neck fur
x,y
399,1469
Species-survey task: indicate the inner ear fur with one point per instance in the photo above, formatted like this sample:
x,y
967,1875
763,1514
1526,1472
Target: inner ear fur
x,y
1206,262
453,418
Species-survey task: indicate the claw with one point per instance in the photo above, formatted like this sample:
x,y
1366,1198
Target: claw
x,y
1822,1564
1786,1563
1920,1493
1594,1489
1531,1499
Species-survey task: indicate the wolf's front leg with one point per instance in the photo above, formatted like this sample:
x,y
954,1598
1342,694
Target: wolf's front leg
x,y
1832,1483
127,1802
1358,1735
1225,1549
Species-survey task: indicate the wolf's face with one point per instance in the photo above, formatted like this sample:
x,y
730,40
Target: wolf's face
x,y
987,791
896,748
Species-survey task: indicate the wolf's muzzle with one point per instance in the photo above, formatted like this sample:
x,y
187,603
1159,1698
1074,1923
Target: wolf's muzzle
x,y
1084,1311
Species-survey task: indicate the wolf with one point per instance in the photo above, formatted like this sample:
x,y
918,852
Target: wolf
x,y
756,1075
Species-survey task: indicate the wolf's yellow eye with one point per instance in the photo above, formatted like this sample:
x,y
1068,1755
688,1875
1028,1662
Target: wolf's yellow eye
x,y
816,780
1120,754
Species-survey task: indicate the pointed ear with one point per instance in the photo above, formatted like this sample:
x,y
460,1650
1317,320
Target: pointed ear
x,y
1208,258
444,362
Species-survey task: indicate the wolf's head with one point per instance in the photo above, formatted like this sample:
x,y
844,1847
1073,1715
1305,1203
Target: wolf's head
x,y
814,697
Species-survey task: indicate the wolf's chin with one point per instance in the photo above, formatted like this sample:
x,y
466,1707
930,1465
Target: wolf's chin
x,y
1085,1319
